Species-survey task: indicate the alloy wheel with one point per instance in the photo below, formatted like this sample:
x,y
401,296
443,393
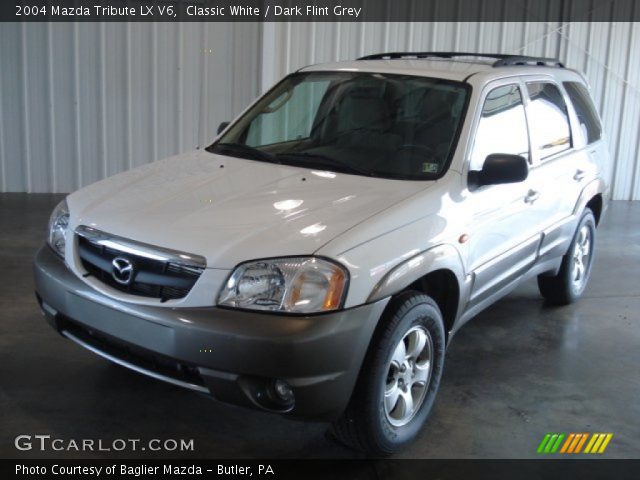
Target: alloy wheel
x,y
581,258
408,375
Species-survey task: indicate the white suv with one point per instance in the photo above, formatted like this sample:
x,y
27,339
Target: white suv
x,y
317,258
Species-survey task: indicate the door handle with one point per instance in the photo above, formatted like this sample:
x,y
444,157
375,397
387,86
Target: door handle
x,y
532,196
579,175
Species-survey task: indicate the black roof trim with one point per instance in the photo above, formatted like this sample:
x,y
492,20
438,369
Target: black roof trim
x,y
502,60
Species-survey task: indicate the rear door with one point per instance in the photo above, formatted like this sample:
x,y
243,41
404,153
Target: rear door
x,y
558,169
587,134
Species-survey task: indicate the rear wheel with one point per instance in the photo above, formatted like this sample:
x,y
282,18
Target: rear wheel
x,y
399,378
569,284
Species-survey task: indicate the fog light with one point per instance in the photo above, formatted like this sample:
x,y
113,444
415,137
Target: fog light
x,y
283,391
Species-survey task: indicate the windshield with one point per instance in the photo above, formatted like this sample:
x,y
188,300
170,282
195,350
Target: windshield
x,y
390,126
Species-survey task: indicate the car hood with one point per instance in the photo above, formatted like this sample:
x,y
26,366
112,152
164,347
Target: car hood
x,y
230,210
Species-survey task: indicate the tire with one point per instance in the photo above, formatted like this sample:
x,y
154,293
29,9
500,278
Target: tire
x,y
373,422
569,284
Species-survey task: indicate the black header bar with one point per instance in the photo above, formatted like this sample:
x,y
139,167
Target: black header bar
x,y
319,10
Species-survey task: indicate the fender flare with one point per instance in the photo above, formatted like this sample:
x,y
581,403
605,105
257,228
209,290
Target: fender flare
x,y
440,257
590,190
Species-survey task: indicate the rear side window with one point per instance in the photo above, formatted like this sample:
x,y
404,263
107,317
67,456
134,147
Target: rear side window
x,y
585,111
502,127
548,119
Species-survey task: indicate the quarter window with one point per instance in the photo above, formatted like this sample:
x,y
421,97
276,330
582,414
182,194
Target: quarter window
x,y
585,111
548,119
502,127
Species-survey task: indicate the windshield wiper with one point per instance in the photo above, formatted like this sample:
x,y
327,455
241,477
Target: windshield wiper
x,y
324,161
242,149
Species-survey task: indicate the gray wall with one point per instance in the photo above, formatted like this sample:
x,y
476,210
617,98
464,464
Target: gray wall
x,y
83,101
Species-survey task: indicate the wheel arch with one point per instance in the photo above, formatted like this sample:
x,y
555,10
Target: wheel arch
x,y
437,272
592,196
441,285
595,204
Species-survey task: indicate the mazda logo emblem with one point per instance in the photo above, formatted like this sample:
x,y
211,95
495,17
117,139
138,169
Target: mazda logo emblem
x,y
122,270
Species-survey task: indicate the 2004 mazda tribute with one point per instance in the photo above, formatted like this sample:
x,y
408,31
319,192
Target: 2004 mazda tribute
x,y
317,258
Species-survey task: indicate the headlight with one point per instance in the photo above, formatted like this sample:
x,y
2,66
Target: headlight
x,y
58,223
294,285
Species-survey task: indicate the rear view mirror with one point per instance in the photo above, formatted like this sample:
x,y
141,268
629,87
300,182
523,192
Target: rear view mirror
x,y
222,126
499,168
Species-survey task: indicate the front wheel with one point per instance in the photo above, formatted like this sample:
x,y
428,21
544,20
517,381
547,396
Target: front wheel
x,y
399,378
569,284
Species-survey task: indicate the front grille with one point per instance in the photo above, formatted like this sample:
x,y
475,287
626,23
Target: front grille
x,y
153,275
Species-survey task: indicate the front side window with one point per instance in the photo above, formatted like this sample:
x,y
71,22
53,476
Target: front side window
x,y
585,111
548,119
390,126
502,127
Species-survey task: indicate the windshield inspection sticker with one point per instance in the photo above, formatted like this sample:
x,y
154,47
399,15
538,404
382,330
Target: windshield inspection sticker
x,y
428,167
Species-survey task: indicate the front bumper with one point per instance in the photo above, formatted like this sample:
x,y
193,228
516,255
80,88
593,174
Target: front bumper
x,y
233,355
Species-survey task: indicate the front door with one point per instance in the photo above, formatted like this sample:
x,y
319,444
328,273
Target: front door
x,y
503,241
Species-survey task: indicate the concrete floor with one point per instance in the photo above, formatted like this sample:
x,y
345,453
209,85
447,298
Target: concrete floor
x,y
517,371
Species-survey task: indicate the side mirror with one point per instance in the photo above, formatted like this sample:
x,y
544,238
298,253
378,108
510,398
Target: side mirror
x,y
222,126
499,168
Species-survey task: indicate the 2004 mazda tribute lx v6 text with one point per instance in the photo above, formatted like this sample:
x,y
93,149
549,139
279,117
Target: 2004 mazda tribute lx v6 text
x,y
317,258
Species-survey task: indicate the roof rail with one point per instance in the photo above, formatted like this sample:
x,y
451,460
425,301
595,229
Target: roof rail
x,y
502,60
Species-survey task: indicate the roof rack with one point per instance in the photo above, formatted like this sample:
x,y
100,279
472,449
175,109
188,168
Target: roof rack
x,y
502,60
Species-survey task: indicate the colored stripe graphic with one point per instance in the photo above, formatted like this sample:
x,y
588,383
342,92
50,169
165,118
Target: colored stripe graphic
x,y
598,442
543,443
556,445
551,442
596,445
581,442
567,443
572,443
605,443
